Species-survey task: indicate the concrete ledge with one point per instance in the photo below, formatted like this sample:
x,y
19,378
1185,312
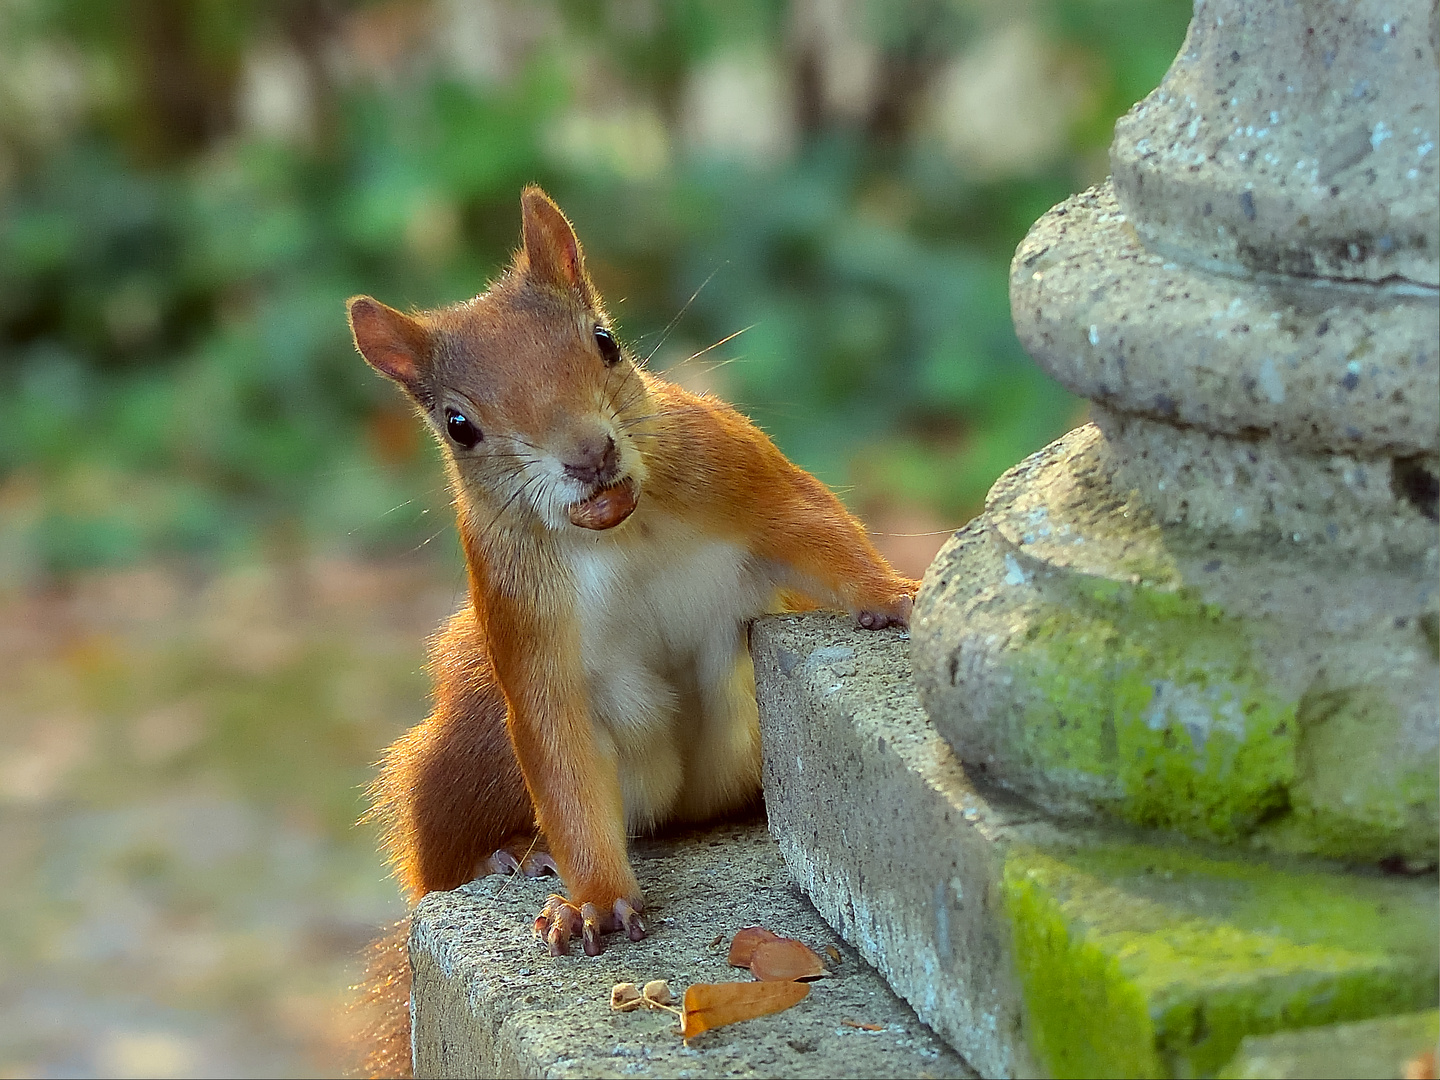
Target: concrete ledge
x,y
489,1001
1039,947
885,834
1379,1049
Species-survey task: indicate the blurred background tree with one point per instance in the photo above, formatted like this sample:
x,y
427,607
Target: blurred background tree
x,y
209,619
188,191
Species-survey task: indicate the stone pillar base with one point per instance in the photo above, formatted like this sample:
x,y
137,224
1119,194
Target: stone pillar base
x,y
1039,947
1276,694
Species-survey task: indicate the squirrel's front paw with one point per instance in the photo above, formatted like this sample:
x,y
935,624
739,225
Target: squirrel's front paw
x,y
559,920
892,612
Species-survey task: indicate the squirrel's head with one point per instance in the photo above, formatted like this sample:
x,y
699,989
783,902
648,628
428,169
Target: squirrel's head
x,y
536,404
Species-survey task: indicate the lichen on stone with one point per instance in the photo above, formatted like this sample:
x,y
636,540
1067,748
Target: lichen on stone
x,y
1348,796
1156,695
1140,960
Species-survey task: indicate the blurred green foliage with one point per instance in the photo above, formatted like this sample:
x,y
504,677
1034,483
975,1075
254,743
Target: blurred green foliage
x,y
175,371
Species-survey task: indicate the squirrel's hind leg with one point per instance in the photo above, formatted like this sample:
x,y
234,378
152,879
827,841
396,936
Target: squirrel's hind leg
x,y
450,792
522,854
722,744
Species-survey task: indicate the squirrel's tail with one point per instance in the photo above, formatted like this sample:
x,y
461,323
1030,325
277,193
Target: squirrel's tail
x,y
383,1001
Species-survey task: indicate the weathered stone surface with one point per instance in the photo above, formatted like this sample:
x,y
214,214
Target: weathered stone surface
x,y
1035,947
1379,508
1214,611
1366,1050
1097,662
1221,617
488,1000
1325,368
1293,141
885,834
1151,960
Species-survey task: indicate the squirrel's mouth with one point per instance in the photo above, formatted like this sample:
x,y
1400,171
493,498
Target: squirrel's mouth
x,y
608,507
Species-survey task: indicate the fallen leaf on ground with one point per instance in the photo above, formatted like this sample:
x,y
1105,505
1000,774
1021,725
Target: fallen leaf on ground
x,y
832,952
862,1027
785,960
713,1005
742,946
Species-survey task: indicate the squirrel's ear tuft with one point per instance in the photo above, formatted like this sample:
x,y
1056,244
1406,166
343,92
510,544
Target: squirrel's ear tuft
x,y
552,251
392,343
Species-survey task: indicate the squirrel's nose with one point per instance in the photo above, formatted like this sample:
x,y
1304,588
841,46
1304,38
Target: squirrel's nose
x,y
595,460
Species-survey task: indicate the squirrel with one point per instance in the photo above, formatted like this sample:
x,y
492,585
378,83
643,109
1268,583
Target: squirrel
x,y
620,534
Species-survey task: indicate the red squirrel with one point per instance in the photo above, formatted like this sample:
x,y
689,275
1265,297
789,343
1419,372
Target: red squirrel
x,y
620,533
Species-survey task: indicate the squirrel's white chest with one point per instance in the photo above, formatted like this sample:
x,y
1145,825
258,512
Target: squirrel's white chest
x,y
662,631
660,600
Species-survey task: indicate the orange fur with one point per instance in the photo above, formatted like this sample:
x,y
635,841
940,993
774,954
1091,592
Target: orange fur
x,y
597,682
383,1006
436,776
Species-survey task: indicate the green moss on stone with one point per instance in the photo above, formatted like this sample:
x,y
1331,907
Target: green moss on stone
x,y
1084,1017
1379,1048
1154,696
1105,683
1349,795
1141,961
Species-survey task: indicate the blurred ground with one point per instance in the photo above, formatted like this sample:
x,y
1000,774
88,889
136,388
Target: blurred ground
x,y
181,766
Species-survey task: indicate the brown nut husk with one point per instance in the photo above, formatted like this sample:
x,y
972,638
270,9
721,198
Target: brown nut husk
x,y
626,997
607,508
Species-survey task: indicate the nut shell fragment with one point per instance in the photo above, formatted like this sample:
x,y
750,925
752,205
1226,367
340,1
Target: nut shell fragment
x,y
606,508
625,997
657,992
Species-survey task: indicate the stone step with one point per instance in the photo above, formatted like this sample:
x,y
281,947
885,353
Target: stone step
x,y
488,1000
1365,1050
1037,947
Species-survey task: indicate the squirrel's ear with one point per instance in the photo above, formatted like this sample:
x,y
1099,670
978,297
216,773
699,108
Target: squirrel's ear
x,y
552,250
392,343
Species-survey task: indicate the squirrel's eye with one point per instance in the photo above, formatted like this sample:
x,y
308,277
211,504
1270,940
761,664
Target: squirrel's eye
x,y
609,347
461,431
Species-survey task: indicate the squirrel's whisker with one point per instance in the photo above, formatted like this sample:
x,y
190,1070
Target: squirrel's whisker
x,y
665,334
722,341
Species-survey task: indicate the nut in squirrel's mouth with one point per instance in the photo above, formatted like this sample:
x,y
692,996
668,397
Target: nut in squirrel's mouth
x,y
607,508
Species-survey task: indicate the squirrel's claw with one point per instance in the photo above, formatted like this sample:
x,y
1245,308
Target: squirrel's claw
x,y
590,918
519,854
557,922
629,920
895,613
558,939
503,862
540,863
560,920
